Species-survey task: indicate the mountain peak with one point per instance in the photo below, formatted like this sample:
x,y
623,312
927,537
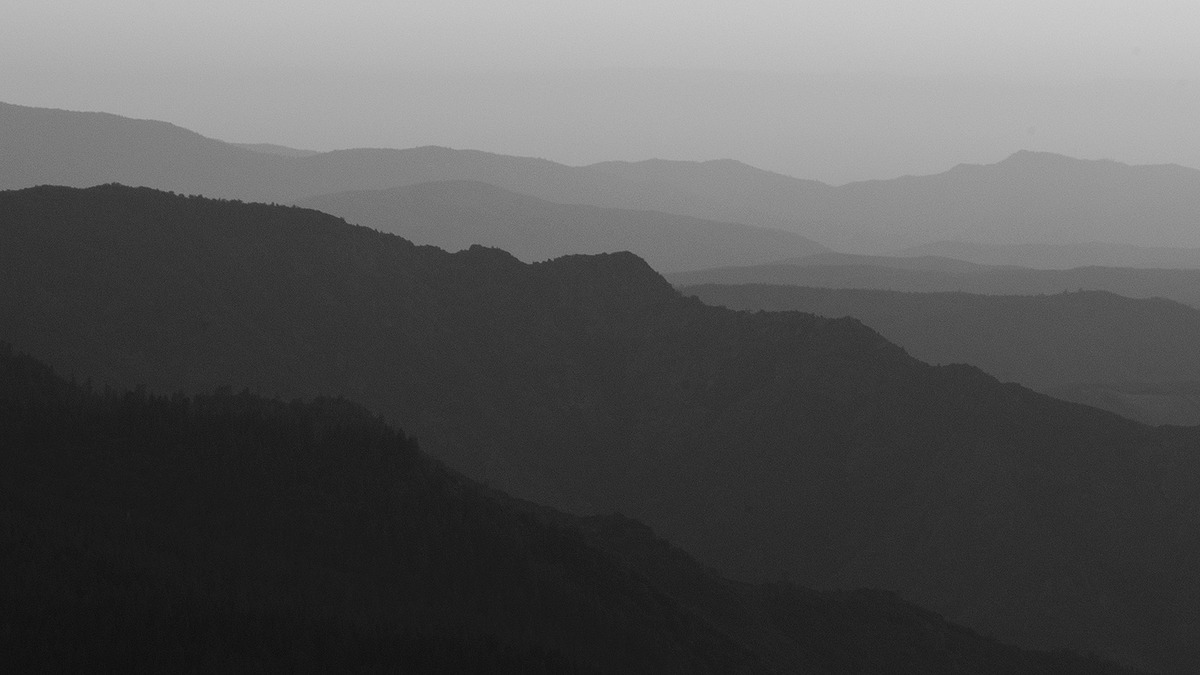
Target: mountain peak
x,y
613,279
1054,159
1037,157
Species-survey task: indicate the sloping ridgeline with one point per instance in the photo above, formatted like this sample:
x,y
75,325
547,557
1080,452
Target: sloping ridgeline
x,y
1065,344
456,214
229,532
776,445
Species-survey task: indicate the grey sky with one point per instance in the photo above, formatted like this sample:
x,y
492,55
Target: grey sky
x,y
411,72
1058,37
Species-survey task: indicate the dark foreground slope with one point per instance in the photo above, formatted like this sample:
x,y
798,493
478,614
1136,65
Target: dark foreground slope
x,y
456,214
1062,343
771,445
229,532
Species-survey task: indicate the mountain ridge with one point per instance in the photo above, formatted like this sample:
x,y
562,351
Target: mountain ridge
x,y
1086,340
453,214
769,445
1051,199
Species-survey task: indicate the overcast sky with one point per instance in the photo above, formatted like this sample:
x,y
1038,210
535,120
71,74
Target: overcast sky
x,y
411,72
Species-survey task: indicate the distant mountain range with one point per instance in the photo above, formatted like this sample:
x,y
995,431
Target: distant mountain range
x,y
44,146
453,215
273,149
931,274
1061,256
1075,344
1029,198
773,445
83,149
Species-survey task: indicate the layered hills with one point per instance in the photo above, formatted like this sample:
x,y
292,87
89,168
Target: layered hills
x,y
1141,351
772,445
1061,256
230,532
454,215
82,149
1029,198
934,274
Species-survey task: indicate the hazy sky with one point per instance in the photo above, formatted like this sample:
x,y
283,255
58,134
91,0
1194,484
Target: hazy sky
x,y
493,73
1156,38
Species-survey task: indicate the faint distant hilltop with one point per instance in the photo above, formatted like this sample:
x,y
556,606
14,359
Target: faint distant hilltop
x,y
1030,198
281,150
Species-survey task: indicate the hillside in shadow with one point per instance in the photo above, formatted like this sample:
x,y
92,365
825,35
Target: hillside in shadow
x,y
770,445
1064,344
228,532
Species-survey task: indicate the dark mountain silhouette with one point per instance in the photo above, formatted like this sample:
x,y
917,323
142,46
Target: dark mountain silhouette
x,y
937,275
229,531
1061,256
456,214
1051,343
770,445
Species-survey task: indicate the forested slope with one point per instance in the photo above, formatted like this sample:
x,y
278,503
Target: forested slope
x,y
229,532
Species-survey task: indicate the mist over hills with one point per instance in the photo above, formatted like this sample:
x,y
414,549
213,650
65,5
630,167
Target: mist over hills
x,y
1029,198
771,445
1088,340
917,263
1060,256
81,149
453,215
931,274
751,195
1037,197
273,149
